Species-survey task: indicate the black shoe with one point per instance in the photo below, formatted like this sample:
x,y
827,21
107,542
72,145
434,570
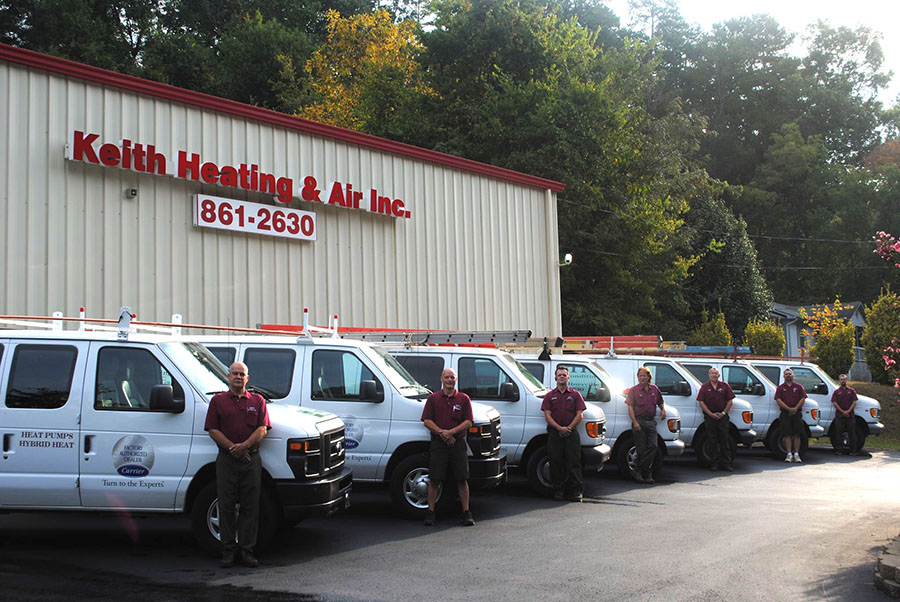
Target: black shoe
x,y
714,467
728,468
429,518
574,497
558,495
648,478
638,477
467,520
227,560
249,560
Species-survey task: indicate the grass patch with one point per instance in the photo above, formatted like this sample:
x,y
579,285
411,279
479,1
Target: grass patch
x,y
890,416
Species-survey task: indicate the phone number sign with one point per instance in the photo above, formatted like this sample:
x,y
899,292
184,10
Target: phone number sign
x,y
254,218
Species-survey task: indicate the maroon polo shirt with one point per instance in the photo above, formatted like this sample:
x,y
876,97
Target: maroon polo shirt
x,y
644,402
844,397
448,411
715,398
790,394
563,406
237,417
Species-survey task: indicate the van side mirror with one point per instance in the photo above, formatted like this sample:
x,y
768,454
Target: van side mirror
x,y
682,388
759,389
821,389
603,395
509,392
368,391
162,399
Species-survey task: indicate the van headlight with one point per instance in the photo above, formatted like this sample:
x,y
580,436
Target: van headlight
x,y
674,425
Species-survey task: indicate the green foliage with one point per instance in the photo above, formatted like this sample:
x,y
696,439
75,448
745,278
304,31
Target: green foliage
x,y
764,337
882,327
711,331
833,349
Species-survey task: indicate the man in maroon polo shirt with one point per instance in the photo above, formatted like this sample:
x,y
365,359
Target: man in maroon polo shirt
x,y
844,401
237,421
563,408
642,401
790,397
715,399
448,415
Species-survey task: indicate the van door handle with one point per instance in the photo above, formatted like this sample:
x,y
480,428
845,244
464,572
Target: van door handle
x,y
6,439
87,443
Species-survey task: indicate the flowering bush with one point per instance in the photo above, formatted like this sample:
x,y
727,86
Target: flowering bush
x,y
887,247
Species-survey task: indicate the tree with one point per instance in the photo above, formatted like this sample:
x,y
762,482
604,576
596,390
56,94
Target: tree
x,y
711,331
833,346
366,77
882,329
764,337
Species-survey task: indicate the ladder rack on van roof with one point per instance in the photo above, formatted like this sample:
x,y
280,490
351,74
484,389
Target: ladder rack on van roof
x,y
475,338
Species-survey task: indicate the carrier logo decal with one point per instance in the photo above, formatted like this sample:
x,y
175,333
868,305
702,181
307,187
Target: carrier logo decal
x,y
353,431
133,456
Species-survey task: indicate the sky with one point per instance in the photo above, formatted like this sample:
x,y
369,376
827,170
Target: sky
x,y
796,15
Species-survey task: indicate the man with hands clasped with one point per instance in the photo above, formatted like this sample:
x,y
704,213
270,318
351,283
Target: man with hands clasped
x,y
844,401
448,415
563,408
642,401
790,397
715,399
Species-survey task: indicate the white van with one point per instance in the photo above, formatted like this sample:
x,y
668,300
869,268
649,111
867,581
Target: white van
x,y
380,403
598,386
819,387
749,383
679,389
495,378
92,421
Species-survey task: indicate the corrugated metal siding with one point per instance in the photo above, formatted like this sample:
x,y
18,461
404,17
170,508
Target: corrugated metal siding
x,y
478,254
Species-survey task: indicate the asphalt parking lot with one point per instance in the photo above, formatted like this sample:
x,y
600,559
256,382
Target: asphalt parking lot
x,y
768,531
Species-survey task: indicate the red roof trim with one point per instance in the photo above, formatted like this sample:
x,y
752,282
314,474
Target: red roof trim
x,y
146,87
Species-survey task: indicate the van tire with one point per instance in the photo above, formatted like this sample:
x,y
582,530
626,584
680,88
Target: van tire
x,y
775,443
205,519
409,486
701,445
843,445
538,472
626,456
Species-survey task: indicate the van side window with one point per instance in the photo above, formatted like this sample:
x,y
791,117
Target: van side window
x,y
773,373
586,382
225,355
481,378
699,371
666,378
425,369
741,380
535,368
810,381
41,376
125,378
336,375
271,369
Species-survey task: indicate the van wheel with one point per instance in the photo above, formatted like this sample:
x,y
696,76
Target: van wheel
x,y
775,444
538,472
205,519
626,459
703,448
409,486
842,443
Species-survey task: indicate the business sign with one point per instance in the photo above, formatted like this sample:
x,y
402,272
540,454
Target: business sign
x,y
146,158
253,218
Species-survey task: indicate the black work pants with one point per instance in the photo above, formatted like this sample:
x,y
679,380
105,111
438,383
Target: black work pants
x,y
238,482
565,461
719,440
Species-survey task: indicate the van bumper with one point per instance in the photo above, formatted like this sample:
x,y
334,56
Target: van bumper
x,y
674,447
302,499
875,428
747,437
487,473
593,458
816,431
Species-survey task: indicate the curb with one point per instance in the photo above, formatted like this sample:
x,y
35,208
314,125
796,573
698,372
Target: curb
x,y
887,570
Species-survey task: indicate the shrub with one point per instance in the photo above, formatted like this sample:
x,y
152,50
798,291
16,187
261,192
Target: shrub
x,y
833,349
882,328
710,331
764,337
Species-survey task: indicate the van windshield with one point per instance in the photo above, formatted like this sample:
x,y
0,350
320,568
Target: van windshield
x,y
206,373
394,371
533,384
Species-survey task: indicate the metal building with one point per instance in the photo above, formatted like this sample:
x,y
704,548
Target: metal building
x,y
122,191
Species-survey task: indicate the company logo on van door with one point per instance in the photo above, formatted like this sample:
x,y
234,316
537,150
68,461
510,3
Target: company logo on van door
x,y
145,158
133,456
353,431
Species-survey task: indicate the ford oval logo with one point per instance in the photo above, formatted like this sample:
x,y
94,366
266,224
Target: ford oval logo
x,y
351,443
